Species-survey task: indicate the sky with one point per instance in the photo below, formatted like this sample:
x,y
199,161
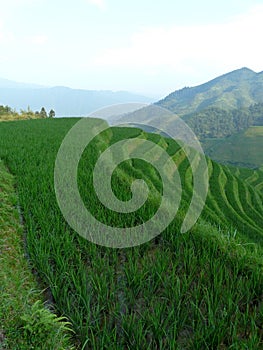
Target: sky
x,y
151,47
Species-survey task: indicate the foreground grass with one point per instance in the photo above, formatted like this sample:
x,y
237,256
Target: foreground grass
x,y
25,323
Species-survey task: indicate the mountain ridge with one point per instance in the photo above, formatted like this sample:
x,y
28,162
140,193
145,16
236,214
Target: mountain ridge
x,y
64,100
236,89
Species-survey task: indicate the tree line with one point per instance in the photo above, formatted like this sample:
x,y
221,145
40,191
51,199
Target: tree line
x,y
7,112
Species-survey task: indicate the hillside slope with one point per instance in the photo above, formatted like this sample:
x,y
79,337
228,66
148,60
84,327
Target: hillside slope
x,y
237,89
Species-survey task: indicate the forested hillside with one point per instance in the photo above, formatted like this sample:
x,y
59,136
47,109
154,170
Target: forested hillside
x,y
234,90
214,122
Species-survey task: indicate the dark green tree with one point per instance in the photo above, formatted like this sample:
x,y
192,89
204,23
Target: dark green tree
x,y
51,113
43,113
5,110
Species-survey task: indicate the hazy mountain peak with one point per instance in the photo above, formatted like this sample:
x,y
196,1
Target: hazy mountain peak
x,y
10,84
240,73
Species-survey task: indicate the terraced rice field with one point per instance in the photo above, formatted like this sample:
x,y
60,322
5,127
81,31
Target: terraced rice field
x,y
250,176
241,149
198,290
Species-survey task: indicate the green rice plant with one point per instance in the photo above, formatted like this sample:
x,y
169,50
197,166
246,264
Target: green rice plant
x,y
198,290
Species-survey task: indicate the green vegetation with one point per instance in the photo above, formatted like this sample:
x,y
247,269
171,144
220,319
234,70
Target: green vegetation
x,y
218,123
7,114
241,149
199,290
253,177
25,323
256,131
238,89
220,111
221,108
231,137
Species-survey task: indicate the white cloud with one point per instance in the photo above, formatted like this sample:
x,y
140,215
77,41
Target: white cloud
x,y
21,2
235,43
99,3
38,39
1,31
8,38
5,35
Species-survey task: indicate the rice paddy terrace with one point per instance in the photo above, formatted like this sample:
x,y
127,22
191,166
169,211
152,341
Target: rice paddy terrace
x,y
241,149
250,176
197,290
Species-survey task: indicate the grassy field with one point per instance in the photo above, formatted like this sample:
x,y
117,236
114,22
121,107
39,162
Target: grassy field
x,y
241,149
199,290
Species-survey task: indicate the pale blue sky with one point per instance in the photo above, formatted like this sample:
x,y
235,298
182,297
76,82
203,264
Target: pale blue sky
x,y
146,46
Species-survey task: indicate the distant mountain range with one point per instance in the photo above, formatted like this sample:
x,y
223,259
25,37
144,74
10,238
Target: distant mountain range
x,y
65,101
237,89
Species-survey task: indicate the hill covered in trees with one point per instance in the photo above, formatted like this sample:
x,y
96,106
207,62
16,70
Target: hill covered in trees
x,y
238,89
214,122
226,114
